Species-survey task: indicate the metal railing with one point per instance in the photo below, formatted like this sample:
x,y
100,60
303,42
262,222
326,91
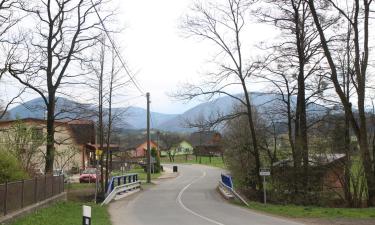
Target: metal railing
x,y
120,180
227,183
16,195
121,184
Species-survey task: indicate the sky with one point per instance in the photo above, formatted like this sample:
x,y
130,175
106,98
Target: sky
x,y
160,55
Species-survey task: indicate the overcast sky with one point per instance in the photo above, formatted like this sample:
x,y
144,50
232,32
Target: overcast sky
x,y
162,56
157,51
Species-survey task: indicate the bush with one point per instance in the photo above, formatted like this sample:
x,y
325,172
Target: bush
x,y
10,169
154,154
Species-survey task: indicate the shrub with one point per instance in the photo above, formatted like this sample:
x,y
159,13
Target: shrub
x,y
10,169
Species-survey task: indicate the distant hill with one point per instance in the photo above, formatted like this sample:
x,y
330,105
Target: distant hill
x,y
135,117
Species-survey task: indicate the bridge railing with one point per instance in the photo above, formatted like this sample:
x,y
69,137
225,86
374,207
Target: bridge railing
x,y
121,180
226,182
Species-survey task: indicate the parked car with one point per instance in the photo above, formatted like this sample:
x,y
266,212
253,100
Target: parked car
x,y
88,176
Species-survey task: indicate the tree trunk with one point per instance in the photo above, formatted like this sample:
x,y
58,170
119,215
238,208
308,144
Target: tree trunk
x,y
360,129
50,149
253,138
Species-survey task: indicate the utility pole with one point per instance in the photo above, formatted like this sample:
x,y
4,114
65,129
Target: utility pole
x,y
148,140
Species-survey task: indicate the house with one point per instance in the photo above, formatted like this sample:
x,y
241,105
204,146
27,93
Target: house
x,y
90,153
140,150
327,170
206,143
71,138
183,148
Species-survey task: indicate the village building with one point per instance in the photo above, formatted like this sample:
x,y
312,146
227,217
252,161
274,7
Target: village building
x,y
71,138
183,148
206,143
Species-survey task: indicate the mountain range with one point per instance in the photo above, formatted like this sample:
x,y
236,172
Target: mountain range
x,y
132,118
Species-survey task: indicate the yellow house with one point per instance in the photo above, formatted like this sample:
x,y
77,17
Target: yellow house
x,y
71,138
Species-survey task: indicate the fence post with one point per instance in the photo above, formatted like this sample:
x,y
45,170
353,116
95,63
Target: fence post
x,y
62,183
59,185
5,197
22,194
36,190
45,187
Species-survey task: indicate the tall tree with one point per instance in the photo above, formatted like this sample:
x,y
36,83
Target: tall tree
x,y
294,69
64,30
359,18
223,25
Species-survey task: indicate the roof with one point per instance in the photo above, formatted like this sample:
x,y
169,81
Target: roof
x,y
205,138
112,147
314,160
82,131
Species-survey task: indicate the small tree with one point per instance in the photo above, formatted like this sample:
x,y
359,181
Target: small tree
x,y
24,142
155,155
170,141
10,168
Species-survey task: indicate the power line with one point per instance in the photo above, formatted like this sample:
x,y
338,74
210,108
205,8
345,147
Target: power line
x,y
116,51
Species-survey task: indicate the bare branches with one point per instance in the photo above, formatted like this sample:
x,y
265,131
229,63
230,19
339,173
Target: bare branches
x,y
65,30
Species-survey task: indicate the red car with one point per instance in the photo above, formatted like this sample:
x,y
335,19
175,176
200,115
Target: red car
x,y
88,176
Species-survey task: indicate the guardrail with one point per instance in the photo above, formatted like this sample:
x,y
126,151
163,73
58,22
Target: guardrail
x,y
121,184
120,180
227,183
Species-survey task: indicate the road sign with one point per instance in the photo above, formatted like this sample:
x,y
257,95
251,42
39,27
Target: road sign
x,y
264,172
98,152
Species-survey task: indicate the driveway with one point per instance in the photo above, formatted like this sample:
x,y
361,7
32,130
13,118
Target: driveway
x,y
189,199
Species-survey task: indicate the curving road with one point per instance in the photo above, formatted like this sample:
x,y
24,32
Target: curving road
x,y
189,199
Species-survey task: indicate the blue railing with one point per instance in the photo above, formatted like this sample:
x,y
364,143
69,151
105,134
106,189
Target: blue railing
x,y
121,180
227,180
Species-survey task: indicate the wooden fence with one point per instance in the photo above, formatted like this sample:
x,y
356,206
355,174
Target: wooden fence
x,y
16,195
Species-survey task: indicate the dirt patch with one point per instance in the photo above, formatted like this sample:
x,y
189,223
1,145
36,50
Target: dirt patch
x,y
337,221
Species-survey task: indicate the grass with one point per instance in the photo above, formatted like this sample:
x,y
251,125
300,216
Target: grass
x,y
79,186
65,213
204,160
294,211
142,175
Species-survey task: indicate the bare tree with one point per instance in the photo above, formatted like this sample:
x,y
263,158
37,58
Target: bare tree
x,y
170,141
294,68
64,30
9,18
223,25
359,19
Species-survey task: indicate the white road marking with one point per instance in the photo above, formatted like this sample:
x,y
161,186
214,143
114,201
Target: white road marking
x,y
179,200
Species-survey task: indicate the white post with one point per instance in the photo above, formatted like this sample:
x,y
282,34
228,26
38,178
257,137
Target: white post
x,y
86,211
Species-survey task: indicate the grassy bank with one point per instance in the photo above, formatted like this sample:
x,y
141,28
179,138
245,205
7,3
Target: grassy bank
x,y
65,213
294,211
191,159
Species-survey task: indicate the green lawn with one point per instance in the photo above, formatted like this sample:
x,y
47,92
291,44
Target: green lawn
x,y
65,213
204,160
141,174
78,186
313,212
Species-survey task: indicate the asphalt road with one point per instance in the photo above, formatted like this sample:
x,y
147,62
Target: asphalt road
x,y
189,199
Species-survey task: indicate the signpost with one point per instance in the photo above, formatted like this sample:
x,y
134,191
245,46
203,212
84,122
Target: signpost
x,y
264,172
